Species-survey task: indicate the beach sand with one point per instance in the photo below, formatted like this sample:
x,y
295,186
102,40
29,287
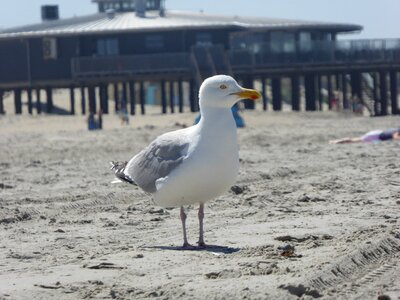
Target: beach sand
x,y
306,219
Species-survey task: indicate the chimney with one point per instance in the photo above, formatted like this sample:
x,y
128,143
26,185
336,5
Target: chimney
x,y
140,8
50,13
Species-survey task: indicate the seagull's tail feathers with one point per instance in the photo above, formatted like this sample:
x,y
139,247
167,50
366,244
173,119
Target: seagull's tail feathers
x,y
119,168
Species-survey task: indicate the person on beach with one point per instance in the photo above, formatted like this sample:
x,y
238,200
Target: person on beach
x,y
373,136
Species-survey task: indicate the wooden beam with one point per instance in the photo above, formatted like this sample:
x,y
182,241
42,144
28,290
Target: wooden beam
x,y
49,103
2,111
116,98
83,100
163,97
17,101
309,84
345,104
38,103
295,93
394,91
192,97
249,84
330,91
264,93
277,94
142,98
72,99
124,100
92,99
30,105
383,90
171,97
180,94
132,94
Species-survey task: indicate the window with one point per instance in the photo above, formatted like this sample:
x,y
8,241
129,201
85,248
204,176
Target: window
x,y
305,41
107,47
283,42
154,42
203,38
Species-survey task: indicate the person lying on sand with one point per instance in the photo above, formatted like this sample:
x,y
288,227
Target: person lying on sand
x,y
371,137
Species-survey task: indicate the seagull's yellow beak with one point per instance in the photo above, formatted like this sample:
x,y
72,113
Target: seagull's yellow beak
x,y
248,94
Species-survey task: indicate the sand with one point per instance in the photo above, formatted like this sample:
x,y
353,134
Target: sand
x,y
306,219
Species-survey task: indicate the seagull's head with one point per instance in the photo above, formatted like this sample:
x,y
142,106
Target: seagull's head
x,y
223,91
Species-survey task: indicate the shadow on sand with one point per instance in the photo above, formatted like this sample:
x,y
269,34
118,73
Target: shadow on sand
x,y
208,248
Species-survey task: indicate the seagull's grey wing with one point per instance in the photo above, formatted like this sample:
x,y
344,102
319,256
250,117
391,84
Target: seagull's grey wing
x,y
158,160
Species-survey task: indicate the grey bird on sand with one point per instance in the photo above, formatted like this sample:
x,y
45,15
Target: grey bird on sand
x,y
196,164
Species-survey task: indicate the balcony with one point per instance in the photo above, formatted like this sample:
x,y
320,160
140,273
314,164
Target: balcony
x,y
317,53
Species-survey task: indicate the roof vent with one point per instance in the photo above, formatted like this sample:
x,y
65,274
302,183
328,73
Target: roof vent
x,y
140,7
50,12
110,13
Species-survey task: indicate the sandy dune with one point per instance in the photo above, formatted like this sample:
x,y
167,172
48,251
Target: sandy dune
x,y
306,219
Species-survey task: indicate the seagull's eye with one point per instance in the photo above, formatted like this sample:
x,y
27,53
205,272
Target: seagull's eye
x,y
223,87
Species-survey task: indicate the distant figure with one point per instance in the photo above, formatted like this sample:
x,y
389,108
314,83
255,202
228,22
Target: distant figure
x,y
235,111
373,136
94,124
124,116
357,105
335,101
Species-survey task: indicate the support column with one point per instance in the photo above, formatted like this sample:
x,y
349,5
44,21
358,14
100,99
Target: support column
x,y
376,97
17,101
180,95
72,99
383,89
83,100
103,95
330,91
92,99
30,105
295,93
171,96
264,93
319,93
142,98
38,103
309,83
394,90
49,103
132,93
163,97
116,98
276,94
345,104
124,100
248,83
2,112
192,96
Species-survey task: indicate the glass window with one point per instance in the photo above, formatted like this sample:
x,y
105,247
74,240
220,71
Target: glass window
x,y
154,42
107,47
305,41
203,38
283,42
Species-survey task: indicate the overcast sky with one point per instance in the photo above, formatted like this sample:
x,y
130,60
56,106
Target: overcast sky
x,y
380,18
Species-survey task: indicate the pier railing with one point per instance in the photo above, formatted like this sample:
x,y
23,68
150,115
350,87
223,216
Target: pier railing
x,y
256,56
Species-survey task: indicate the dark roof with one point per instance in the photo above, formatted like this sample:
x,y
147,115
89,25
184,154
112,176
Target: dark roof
x,y
128,22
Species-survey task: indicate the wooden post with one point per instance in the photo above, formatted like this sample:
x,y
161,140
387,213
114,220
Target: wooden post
x,y
264,93
72,99
192,96
92,99
249,83
383,89
394,90
124,100
132,93
180,94
103,96
163,97
38,103
116,98
295,93
276,94
142,98
319,92
49,103
344,89
309,83
376,97
83,100
2,112
330,91
30,105
171,97
17,101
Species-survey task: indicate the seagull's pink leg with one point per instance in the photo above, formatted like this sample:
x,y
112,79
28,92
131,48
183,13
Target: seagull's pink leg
x,y
201,232
183,219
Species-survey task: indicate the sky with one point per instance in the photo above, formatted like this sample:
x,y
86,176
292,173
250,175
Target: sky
x,y
380,18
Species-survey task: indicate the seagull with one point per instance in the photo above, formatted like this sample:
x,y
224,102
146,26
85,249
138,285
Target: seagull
x,y
196,164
